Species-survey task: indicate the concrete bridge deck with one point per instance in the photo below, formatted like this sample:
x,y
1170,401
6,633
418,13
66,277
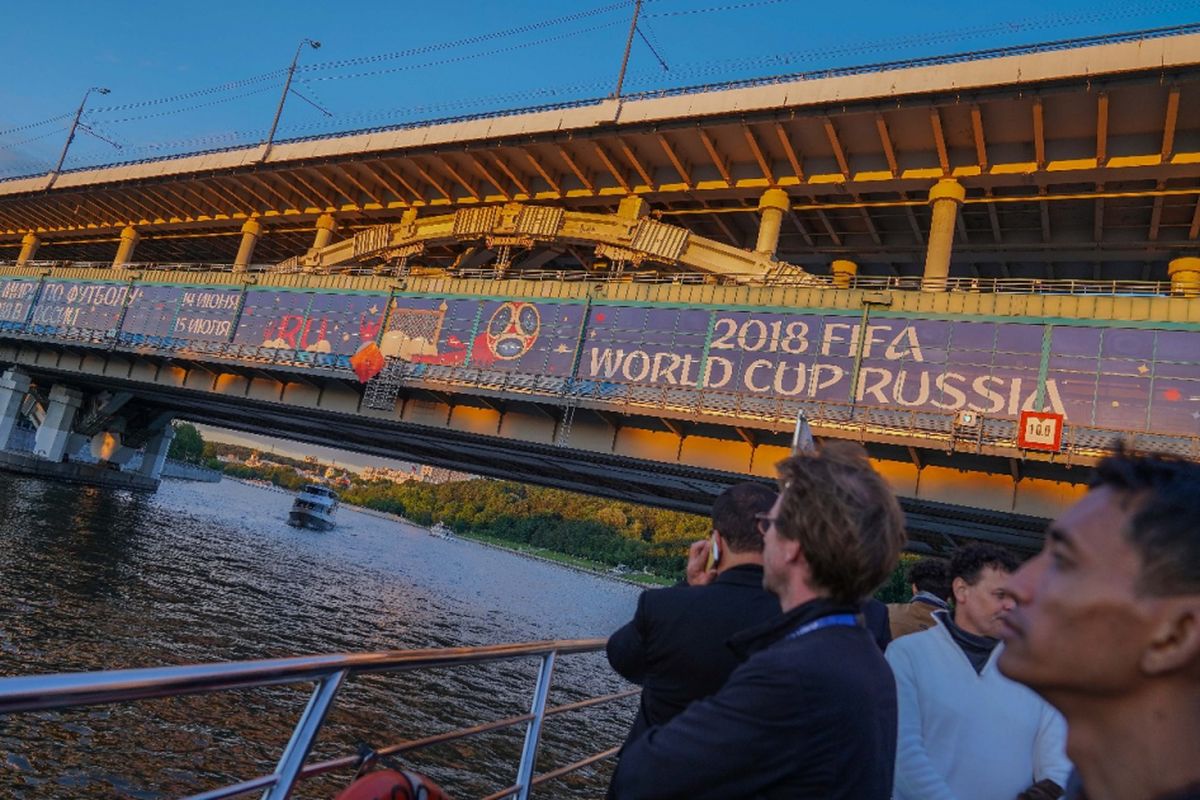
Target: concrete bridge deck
x,y
1076,160
655,393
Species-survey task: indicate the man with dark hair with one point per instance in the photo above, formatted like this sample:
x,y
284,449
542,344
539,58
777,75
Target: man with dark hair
x,y
675,647
812,711
966,731
929,580
1107,628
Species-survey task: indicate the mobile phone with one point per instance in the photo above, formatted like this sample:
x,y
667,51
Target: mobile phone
x,y
714,552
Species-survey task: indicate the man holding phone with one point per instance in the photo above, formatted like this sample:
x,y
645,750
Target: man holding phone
x,y
675,645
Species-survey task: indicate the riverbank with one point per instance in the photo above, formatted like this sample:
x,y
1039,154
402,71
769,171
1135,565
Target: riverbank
x,y
575,563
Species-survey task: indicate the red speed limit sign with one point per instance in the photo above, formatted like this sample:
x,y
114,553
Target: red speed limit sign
x,y
1039,430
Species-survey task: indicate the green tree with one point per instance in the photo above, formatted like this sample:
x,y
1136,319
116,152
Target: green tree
x,y
188,444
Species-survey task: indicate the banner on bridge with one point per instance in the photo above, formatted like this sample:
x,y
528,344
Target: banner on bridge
x,y
1137,379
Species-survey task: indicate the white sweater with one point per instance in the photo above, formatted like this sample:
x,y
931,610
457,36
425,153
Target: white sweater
x,y
968,736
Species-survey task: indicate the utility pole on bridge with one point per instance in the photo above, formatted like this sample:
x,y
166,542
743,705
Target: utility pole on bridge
x,y
71,133
637,9
287,85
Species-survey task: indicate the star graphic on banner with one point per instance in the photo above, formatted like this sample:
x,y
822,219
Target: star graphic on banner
x,y
374,309
1196,415
1143,369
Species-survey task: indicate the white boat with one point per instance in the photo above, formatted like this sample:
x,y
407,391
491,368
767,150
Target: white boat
x,y
441,531
314,508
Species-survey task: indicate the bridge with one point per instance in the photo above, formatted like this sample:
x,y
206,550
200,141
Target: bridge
x,y
635,298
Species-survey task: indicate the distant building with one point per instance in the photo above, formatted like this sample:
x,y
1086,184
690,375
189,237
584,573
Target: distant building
x,y
442,475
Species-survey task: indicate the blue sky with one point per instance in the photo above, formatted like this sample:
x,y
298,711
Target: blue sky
x,y
188,77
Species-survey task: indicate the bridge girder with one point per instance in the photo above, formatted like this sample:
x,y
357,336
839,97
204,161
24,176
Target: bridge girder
x,y
450,433
1063,154
629,236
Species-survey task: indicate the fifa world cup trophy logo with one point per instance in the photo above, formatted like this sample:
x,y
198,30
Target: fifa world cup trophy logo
x,y
512,330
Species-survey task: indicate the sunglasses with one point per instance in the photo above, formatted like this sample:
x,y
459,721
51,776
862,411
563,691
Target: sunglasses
x,y
765,521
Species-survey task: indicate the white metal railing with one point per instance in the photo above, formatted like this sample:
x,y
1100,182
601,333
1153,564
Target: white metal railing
x,y
34,693
782,278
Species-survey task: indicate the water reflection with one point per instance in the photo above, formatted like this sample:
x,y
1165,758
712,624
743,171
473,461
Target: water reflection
x,y
93,579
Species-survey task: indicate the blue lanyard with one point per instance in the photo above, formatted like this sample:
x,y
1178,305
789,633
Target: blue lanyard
x,y
833,620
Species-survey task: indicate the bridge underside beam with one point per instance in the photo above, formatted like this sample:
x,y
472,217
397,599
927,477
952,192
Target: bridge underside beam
x,y
619,455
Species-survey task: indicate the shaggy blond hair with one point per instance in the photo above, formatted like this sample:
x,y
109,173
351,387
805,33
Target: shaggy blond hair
x,y
845,518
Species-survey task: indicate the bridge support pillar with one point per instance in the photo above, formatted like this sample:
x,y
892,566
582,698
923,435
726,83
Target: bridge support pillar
x,y
326,225
29,247
945,197
843,273
772,205
251,230
55,431
155,454
633,207
1185,276
14,385
129,240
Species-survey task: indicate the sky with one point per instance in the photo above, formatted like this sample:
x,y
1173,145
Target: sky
x,y
284,447
199,76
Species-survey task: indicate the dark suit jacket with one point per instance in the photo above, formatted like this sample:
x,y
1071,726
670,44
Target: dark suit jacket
x,y
807,718
675,645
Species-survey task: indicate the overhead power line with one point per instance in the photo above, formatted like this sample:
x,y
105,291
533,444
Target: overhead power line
x,y
13,145
782,61
195,107
32,125
176,98
465,57
652,50
717,9
322,66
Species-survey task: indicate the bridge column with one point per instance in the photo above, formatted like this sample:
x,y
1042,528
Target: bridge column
x,y
772,205
843,273
632,207
945,197
29,247
251,230
14,385
129,240
155,454
55,431
1185,276
326,225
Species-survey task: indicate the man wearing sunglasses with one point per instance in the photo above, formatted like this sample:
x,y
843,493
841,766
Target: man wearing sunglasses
x,y
811,712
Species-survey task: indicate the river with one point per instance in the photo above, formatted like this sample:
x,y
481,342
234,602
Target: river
x,y
100,579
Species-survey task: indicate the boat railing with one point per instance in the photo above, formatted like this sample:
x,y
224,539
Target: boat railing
x,y
35,693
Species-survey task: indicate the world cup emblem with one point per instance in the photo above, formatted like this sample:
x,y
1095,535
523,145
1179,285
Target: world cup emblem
x,y
513,329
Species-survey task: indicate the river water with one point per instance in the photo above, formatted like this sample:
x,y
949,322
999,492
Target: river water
x,y
100,579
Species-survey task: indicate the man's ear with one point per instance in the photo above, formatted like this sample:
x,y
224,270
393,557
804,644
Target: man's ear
x,y
792,551
959,590
1174,642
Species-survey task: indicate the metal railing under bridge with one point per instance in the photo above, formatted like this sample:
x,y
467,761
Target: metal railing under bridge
x,y
945,429
784,278
36,693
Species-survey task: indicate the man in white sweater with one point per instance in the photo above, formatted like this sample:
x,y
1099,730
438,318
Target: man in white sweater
x,y
966,731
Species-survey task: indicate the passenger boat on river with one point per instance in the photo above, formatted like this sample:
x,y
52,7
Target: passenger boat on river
x,y
314,508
